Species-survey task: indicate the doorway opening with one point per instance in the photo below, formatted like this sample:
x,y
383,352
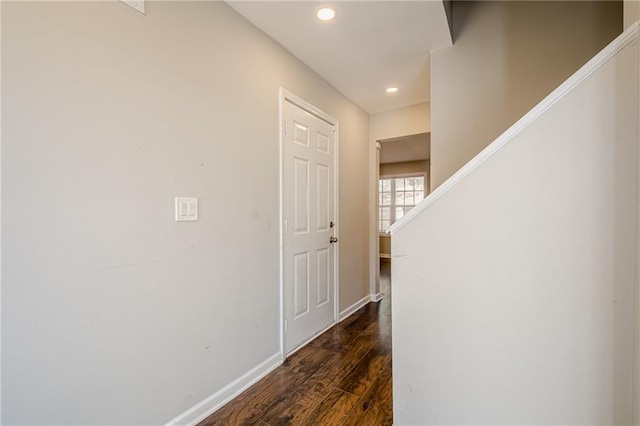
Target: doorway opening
x,y
404,169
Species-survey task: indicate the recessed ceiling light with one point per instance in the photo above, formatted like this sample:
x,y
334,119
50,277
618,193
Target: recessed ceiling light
x,y
326,14
392,89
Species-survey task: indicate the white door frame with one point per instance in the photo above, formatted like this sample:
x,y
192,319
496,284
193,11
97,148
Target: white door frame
x,y
287,96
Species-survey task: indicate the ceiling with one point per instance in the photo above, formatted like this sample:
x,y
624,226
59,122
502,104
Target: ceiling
x,y
369,46
406,148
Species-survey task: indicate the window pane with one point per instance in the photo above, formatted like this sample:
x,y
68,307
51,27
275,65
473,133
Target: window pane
x,y
420,183
418,196
385,213
408,198
386,199
399,212
385,184
409,184
384,225
399,198
380,199
400,184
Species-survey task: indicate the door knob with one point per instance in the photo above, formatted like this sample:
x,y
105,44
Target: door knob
x,y
333,240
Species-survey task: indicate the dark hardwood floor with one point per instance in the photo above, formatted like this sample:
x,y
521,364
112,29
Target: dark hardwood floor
x,y
341,378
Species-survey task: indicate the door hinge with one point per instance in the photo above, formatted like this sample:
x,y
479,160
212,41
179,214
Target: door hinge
x,y
286,326
285,226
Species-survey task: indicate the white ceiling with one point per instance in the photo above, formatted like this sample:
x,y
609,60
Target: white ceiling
x,y
368,47
406,148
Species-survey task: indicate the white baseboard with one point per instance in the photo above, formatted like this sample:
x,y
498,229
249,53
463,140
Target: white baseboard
x,y
351,309
376,297
208,406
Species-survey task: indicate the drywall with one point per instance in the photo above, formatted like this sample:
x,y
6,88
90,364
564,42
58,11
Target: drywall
x,y
507,56
112,313
636,369
385,245
513,290
631,12
631,16
411,120
1,315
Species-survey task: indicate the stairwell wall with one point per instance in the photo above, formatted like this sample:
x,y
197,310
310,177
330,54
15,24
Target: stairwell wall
x,y
506,57
513,287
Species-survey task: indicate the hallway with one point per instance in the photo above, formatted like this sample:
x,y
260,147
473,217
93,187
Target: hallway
x,y
341,378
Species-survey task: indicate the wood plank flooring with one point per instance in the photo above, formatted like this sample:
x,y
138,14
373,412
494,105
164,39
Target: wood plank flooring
x,y
341,378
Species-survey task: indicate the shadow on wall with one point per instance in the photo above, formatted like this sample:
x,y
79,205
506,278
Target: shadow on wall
x,y
534,71
460,11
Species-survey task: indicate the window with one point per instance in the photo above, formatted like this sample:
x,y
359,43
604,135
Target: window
x,y
398,195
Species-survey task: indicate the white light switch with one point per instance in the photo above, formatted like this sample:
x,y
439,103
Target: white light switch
x,y
186,209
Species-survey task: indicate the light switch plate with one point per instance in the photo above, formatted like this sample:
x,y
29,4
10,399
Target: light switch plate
x,y
186,209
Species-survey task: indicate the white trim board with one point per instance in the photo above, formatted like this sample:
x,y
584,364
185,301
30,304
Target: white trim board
x,y
376,297
374,241
211,404
589,68
353,308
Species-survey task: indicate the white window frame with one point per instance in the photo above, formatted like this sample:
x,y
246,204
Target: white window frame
x,y
395,176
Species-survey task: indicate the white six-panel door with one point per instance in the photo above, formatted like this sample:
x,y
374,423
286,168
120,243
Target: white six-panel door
x,y
309,224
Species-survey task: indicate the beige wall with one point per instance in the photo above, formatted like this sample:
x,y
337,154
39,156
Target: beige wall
x,y
112,312
385,245
632,15
507,56
636,370
513,291
631,12
411,120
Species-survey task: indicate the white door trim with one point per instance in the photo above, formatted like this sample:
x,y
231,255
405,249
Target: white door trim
x,y
286,96
374,243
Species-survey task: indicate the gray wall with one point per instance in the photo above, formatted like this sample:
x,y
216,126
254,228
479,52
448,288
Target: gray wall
x,y
507,56
112,313
513,291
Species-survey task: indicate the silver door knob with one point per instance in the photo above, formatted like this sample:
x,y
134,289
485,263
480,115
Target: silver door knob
x,y
333,240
